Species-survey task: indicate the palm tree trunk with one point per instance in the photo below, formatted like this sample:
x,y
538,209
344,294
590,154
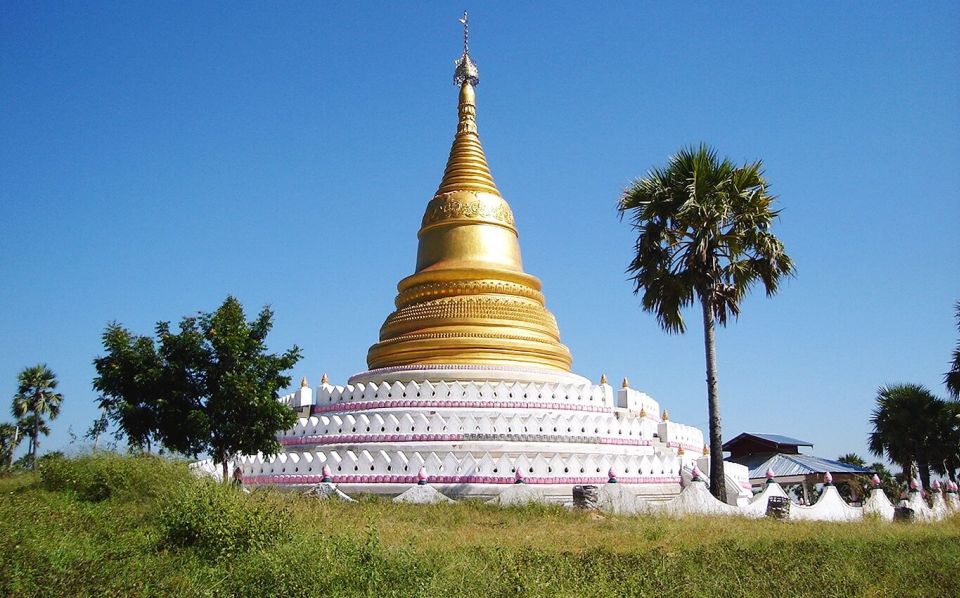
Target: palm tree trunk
x,y
717,482
13,448
36,438
924,469
223,465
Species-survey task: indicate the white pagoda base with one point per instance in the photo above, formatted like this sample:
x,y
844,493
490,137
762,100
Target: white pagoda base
x,y
475,434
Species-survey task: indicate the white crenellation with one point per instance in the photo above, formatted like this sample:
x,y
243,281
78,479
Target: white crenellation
x,y
452,463
537,395
675,435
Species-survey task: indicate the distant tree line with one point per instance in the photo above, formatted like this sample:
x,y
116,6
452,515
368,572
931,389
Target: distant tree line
x,y
917,430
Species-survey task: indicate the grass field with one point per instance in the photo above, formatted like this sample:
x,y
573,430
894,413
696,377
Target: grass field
x,y
122,526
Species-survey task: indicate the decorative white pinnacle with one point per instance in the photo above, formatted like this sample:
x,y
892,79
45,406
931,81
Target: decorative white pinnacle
x,y
697,474
770,474
612,475
876,481
325,472
466,69
828,478
422,476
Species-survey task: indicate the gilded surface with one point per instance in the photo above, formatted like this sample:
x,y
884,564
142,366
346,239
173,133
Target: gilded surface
x,y
467,206
469,302
433,290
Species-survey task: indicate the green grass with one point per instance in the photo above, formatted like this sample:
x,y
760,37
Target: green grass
x,y
122,526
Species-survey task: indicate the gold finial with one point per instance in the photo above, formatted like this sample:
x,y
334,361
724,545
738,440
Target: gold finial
x,y
303,382
706,450
324,379
666,416
643,412
603,378
625,384
680,450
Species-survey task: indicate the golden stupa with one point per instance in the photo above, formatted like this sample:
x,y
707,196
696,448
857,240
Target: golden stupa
x,y
469,301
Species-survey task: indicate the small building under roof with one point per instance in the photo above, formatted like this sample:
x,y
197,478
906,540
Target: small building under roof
x,y
781,455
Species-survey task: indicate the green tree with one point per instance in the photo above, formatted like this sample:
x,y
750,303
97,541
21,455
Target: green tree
x,y
952,377
906,427
35,401
210,387
945,459
858,485
10,438
704,237
888,482
97,428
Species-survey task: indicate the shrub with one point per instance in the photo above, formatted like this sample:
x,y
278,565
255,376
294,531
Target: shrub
x,y
104,475
220,520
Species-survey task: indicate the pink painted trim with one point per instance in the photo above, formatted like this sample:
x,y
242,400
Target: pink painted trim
x,y
294,480
452,404
324,439
686,447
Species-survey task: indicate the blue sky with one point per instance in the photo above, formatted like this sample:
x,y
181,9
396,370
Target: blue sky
x,y
154,158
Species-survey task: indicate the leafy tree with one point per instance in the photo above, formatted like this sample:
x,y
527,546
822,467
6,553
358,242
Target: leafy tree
x,y
36,400
891,486
97,428
858,485
703,236
906,424
945,459
210,387
952,377
10,438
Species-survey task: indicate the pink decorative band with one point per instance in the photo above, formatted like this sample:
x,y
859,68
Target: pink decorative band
x,y
413,404
324,439
297,480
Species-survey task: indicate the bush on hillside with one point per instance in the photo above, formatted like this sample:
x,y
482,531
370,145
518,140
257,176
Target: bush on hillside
x,y
104,475
221,521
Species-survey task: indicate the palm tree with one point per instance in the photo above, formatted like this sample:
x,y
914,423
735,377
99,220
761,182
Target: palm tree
x,y
952,378
703,236
35,400
905,428
852,459
10,438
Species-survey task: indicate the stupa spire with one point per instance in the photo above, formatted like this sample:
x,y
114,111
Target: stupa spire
x,y
469,301
467,168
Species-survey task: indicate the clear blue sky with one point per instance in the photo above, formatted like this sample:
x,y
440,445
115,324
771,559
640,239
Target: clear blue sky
x,y
156,157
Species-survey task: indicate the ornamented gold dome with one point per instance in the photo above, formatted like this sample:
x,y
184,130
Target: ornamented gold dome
x,y
469,301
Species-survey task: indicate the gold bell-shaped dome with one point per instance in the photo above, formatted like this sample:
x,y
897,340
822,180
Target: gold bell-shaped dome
x,y
469,301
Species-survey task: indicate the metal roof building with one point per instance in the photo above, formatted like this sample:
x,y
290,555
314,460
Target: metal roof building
x,y
781,454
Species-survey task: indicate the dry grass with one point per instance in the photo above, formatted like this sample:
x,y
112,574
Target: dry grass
x,y
57,541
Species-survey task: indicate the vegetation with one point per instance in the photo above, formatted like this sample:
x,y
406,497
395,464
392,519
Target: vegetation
x,y
860,485
704,235
952,377
911,425
209,388
129,526
10,438
35,401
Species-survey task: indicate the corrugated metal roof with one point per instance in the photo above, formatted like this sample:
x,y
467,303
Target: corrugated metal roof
x,y
781,439
791,465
